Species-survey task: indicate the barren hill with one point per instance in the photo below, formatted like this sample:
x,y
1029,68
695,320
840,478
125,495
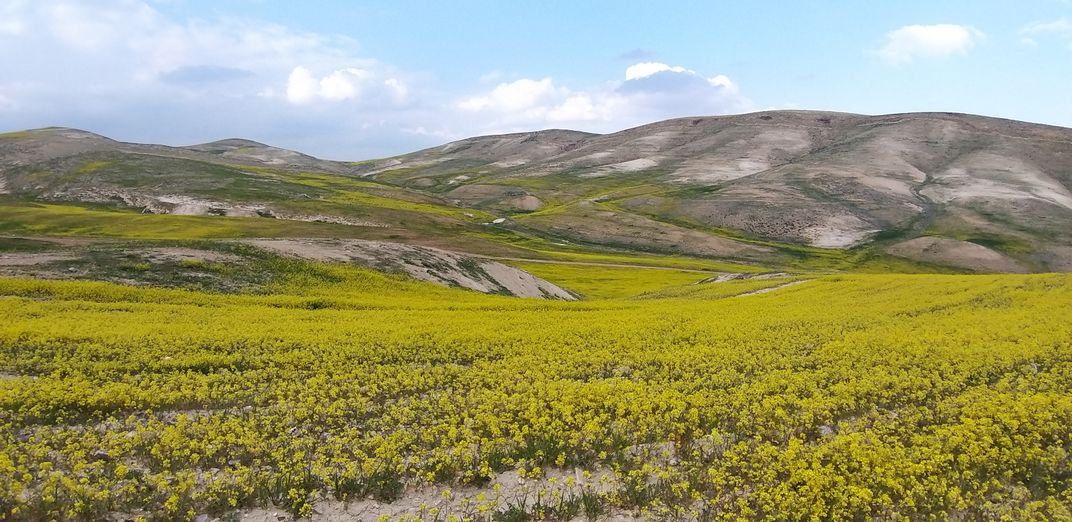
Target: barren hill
x,y
820,179
938,189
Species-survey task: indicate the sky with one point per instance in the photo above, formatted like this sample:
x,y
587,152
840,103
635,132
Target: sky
x,y
364,79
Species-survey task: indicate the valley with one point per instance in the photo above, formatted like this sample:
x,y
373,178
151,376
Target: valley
x,y
783,315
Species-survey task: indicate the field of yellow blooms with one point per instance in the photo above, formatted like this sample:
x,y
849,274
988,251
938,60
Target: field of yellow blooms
x,y
844,397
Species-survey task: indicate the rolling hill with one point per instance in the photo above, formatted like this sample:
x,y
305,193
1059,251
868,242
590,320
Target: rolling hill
x,y
797,189
968,191
235,331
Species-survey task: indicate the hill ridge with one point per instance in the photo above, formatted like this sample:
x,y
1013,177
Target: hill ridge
x,y
763,187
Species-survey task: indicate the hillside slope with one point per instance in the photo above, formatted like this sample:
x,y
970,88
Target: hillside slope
x,y
779,189
816,179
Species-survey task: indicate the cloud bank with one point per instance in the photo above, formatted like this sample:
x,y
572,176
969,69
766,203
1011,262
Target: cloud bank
x,y
650,91
123,68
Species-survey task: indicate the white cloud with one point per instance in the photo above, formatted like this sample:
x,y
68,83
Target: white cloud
x,y
645,69
301,85
578,107
723,82
1060,28
515,96
121,67
908,43
650,92
339,85
398,89
342,84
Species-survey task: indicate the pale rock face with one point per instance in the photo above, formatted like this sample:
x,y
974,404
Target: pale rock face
x,y
838,232
422,263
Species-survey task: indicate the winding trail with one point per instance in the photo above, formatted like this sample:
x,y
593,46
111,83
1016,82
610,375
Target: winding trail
x,y
772,288
592,263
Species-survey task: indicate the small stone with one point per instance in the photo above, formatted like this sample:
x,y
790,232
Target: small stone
x,y
202,518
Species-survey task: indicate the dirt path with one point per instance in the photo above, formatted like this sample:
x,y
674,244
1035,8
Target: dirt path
x,y
593,263
772,288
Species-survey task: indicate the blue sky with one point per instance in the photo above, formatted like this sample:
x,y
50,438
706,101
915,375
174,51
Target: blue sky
x,y
353,80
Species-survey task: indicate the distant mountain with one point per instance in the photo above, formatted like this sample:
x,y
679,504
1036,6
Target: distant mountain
x,y
940,189
943,188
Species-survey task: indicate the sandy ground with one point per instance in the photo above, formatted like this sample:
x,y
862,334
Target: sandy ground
x,y
506,489
527,203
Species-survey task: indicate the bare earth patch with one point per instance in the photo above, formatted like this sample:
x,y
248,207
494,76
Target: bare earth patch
x,y
32,259
180,254
952,252
504,490
772,288
423,263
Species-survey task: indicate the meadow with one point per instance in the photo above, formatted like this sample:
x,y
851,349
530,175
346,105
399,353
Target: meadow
x,y
840,397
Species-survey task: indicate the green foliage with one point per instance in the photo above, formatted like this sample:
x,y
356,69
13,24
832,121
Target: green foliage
x,y
18,244
92,166
23,218
18,135
609,282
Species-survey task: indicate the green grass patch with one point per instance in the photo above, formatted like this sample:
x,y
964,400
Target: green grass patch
x,y
48,219
17,135
18,244
544,248
365,199
92,166
602,282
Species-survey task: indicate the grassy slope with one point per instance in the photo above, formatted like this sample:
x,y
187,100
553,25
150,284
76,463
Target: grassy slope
x,y
25,218
411,215
609,282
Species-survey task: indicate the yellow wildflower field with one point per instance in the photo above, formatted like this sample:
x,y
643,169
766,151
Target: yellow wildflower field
x,y
842,397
